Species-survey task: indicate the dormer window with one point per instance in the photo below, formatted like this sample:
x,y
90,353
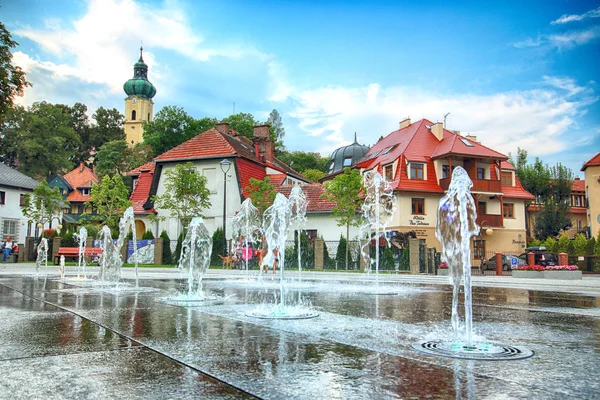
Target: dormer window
x,y
506,178
417,171
466,142
347,161
85,191
388,172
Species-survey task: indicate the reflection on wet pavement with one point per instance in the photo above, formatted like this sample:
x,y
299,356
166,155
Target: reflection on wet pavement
x,y
358,347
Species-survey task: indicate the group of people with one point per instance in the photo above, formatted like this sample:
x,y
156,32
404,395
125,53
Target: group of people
x,y
8,247
244,252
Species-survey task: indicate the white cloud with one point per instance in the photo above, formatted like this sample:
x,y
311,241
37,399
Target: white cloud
x,y
561,41
595,13
502,121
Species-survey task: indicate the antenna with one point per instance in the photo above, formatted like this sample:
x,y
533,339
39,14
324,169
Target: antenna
x,y
445,119
234,107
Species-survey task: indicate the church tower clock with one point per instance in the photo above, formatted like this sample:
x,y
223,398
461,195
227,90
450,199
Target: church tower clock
x,y
138,103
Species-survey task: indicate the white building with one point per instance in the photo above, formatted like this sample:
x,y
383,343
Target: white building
x,y
13,187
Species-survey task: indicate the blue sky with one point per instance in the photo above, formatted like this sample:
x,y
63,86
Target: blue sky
x,y
516,74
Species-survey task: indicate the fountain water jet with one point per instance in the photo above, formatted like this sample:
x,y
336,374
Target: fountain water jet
x,y
276,222
298,204
42,255
247,223
455,226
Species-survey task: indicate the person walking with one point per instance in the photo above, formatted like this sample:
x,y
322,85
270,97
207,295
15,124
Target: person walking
x,y
7,248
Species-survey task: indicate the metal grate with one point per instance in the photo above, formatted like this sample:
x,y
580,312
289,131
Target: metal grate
x,y
489,351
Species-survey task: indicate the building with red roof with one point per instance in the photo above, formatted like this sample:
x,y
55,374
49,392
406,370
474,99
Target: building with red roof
x,y
417,160
75,186
247,159
591,170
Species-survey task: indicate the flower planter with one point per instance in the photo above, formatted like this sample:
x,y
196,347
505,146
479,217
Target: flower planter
x,y
562,274
443,271
516,273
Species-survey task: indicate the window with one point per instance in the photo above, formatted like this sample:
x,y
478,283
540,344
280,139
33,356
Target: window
x,y
445,171
480,173
2,197
579,227
466,142
508,210
133,115
80,209
577,201
22,200
478,249
331,167
347,161
418,206
481,207
85,191
416,171
388,171
506,178
10,227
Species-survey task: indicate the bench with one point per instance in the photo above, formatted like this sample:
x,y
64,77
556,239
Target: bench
x,y
73,252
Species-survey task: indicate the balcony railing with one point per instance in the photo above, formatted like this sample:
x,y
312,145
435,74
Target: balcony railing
x,y
479,185
492,220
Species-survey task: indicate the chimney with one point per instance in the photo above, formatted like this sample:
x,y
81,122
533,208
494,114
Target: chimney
x,y
472,138
404,123
438,130
264,148
223,127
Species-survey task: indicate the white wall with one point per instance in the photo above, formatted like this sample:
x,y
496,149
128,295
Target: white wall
x,y
11,212
325,225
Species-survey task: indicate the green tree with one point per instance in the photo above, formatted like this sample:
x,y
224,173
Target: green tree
x,y
277,129
185,194
111,158
172,126
167,256
110,198
313,175
41,139
302,161
597,245
591,243
12,78
262,193
344,190
243,123
341,255
217,247
107,128
551,244
43,204
580,245
563,243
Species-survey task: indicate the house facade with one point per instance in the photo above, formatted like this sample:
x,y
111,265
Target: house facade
x,y
14,186
75,187
591,170
210,152
418,160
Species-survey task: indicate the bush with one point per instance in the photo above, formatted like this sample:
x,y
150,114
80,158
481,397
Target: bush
x,y
328,262
178,249
217,248
563,244
148,235
92,230
68,240
591,243
340,255
551,244
387,261
580,245
167,256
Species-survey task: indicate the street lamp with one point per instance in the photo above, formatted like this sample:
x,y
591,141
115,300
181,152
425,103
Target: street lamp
x,y
225,164
489,232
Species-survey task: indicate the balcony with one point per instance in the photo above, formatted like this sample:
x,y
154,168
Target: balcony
x,y
479,185
492,220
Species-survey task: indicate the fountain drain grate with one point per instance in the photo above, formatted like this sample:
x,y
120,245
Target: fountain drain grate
x,y
282,315
486,351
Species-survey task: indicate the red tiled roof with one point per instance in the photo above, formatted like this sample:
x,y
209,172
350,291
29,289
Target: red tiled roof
x,y
75,196
578,185
505,165
594,161
149,166
141,192
313,192
81,177
247,169
277,179
456,145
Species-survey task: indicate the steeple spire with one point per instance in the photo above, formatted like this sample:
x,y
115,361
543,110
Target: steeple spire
x,y
355,141
141,50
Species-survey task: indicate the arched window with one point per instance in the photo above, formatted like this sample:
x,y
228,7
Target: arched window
x,y
133,115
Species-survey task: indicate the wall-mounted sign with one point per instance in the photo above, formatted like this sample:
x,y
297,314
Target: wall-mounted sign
x,y
418,220
518,241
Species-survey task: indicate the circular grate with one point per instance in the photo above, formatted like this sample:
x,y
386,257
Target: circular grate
x,y
477,351
282,315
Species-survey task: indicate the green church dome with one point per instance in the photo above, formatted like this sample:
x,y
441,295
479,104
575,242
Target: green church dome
x,y
139,85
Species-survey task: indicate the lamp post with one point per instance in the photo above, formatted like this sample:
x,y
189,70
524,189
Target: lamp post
x,y
225,164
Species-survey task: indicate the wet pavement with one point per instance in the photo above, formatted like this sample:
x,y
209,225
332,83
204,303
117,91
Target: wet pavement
x,y
61,340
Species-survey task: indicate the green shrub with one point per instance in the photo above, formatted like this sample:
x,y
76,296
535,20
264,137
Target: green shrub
x,y
92,230
387,261
340,254
579,245
217,248
148,235
328,262
167,256
563,244
591,243
551,244
178,249
67,240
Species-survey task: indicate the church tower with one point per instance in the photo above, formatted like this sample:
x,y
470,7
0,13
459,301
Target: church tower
x,y
138,103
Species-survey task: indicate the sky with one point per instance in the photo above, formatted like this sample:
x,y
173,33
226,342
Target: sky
x,y
517,74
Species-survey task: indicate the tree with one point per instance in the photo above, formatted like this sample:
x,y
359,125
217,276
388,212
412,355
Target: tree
x,y
40,141
313,175
580,245
167,256
344,190
12,78
262,193
302,161
277,129
172,126
110,198
108,127
111,158
185,194
243,123
43,204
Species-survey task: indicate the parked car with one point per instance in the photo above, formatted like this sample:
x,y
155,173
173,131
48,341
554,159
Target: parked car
x,y
507,263
541,256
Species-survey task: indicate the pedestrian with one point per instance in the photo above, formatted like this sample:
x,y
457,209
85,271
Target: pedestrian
x,y
7,248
